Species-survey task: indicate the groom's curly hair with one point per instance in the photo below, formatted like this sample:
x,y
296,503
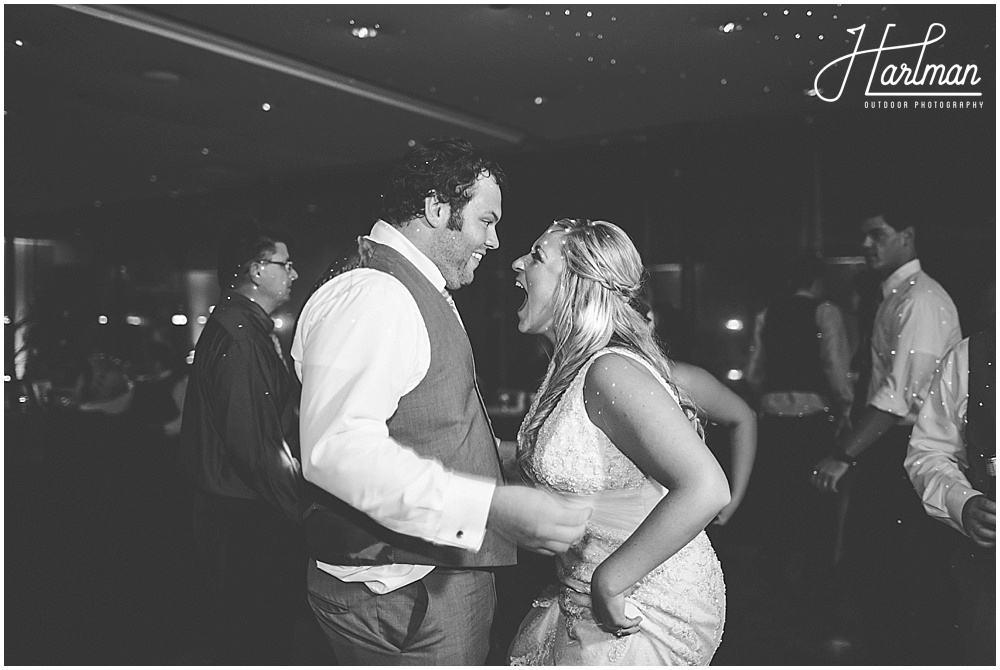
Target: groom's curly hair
x,y
447,168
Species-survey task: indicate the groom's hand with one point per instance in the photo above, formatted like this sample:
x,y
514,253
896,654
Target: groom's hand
x,y
536,520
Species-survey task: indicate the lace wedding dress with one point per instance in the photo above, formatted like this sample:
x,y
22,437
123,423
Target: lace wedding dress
x,y
682,602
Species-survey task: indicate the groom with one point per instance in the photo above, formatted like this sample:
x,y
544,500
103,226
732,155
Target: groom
x,y
411,513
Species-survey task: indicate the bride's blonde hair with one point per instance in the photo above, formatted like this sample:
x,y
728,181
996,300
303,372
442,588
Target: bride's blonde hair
x,y
593,308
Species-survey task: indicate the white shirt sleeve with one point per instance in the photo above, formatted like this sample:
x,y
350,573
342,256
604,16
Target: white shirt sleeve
x,y
360,346
755,361
936,455
917,353
835,351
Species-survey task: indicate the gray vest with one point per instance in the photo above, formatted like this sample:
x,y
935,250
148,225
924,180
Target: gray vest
x,y
442,418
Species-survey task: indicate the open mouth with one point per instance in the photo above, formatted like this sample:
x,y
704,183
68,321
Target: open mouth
x,y
524,303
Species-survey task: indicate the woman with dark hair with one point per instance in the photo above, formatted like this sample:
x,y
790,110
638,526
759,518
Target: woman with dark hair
x,y
610,430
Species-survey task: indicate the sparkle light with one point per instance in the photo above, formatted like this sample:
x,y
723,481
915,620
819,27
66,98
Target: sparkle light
x,y
190,358
539,100
202,320
179,320
734,324
102,319
728,28
266,107
364,32
734,375
133,320
19,43
279,323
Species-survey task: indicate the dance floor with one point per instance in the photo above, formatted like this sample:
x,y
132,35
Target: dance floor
x,y
100,568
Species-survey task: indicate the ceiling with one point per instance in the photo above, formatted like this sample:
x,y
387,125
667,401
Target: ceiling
x,y
115,103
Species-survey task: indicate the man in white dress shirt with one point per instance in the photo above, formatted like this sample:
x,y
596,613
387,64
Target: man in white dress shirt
x,y
890,544
952,463
411,511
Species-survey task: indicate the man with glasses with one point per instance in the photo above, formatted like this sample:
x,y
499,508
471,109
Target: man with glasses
x,y
239,437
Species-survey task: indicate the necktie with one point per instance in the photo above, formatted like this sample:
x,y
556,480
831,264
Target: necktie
x,y
451,303
277,348
482,403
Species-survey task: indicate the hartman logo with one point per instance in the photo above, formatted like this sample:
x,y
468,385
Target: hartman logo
x,y
904,70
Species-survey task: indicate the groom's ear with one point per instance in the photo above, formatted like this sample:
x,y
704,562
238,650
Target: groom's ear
x,y
436,212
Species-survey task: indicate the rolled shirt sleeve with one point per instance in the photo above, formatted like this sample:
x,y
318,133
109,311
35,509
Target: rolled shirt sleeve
x,y
360,347
835,351
936,458
755,360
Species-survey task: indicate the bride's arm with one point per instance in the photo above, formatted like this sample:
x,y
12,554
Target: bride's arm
x,y
643,420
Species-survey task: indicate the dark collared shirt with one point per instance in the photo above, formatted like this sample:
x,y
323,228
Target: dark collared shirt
x,y
240,424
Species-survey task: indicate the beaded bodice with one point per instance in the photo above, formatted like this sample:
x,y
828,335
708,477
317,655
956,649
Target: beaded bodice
x,y
573,455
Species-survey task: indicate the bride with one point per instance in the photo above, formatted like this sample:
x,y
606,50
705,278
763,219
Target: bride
x,y
609,430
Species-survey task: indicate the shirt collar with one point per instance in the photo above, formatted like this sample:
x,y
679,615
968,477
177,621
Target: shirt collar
x,y
902,273
386,234
254,312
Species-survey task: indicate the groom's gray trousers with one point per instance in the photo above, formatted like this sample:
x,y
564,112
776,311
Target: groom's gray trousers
x,y
442,619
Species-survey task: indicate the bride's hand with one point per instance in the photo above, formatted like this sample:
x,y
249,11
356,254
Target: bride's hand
x,y
609,610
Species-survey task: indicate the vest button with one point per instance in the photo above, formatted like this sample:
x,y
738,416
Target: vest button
x,y
460,534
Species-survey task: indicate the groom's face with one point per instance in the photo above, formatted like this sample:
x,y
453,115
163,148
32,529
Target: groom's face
x,y
470,233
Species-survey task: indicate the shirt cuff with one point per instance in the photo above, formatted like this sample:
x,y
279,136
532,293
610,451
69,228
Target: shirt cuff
x,y
466,508
957,495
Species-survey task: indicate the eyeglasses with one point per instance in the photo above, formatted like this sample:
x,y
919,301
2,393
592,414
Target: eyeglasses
x,y
288,265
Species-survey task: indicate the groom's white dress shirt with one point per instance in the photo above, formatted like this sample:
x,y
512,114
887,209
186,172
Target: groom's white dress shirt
x,y
360,346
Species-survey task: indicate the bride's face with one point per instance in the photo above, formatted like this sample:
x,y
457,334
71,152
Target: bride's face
x,y
538,274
